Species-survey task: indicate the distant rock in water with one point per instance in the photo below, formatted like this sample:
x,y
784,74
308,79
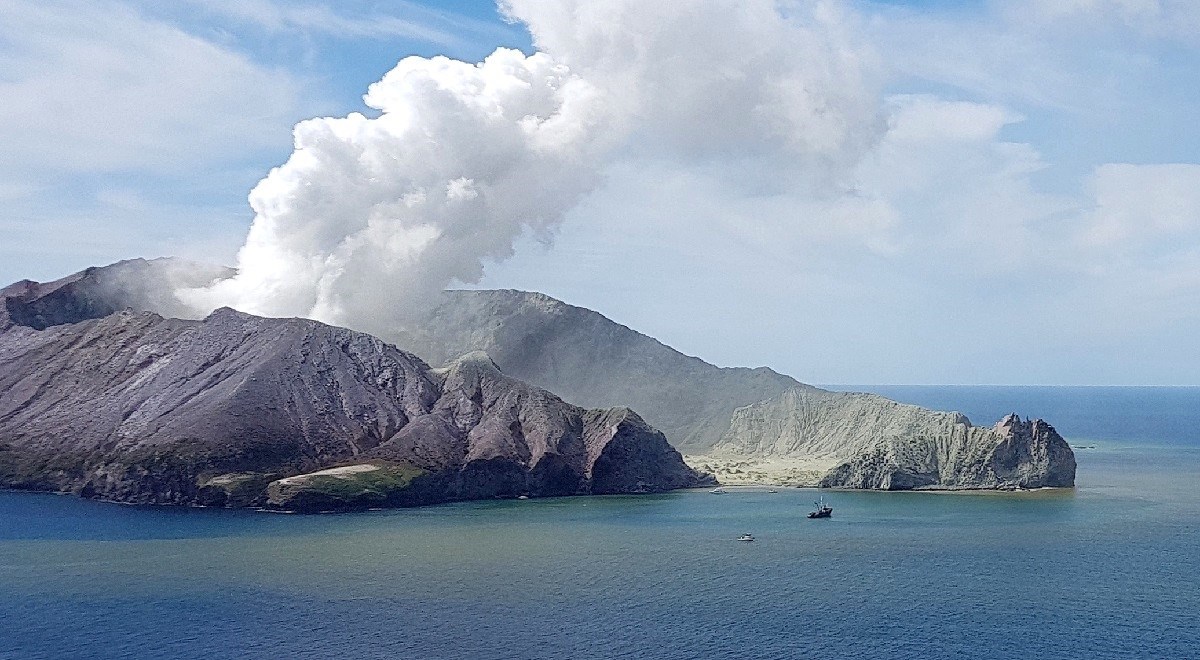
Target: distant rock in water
x,y
731,416
237,410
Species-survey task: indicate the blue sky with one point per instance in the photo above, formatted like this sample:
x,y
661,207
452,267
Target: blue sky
x,y
1013,194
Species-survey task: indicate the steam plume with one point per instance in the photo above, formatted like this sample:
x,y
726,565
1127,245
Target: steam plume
x,y
370,217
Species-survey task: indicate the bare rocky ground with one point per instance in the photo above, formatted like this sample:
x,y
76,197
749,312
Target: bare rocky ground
x,y
135,407
747,425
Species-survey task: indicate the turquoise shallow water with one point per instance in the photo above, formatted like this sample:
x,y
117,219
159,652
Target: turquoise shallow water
x,y
1106,571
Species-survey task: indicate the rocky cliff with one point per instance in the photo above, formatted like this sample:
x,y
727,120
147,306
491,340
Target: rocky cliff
x,y
759,424
236,410
867,441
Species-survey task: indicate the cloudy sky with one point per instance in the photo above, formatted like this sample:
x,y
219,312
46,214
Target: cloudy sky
x,y
917,191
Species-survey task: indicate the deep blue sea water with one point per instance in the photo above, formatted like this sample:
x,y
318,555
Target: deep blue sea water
x,y
1107,571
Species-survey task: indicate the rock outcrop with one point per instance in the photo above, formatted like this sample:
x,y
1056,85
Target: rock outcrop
x,y
135,407
867,441
737,415
1012,455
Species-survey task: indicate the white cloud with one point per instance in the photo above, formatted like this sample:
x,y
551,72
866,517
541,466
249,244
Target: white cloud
x,y
348,21
960,190
1128,9
372,216
124,136
722,79
946,264
1176,19
1139,207
12,190
990,58
724,169
928,119
91,86
754,178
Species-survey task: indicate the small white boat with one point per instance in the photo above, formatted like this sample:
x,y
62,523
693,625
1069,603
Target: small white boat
x,y
717,491
746,537
772,490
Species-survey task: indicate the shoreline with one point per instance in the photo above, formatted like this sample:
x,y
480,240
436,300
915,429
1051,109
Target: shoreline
x,y
747,473
734,470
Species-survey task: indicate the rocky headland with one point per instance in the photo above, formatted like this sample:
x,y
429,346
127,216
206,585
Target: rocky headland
x,y
746,426
237,410
743,425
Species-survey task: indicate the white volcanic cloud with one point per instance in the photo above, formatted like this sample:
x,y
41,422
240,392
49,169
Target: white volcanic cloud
x,y
721,79
372,216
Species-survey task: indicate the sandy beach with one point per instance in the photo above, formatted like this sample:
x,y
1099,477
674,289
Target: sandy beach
x,y
736,470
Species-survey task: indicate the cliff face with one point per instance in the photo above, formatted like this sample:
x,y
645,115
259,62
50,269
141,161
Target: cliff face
x,y
867,441
1005,457
1031,453
138,408
844,439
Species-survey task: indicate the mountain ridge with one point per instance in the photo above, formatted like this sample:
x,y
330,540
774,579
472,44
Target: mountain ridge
x,y
540,339
747,424
744,424
136,407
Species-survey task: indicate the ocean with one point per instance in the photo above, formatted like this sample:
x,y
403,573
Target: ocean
x,y
1109,570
